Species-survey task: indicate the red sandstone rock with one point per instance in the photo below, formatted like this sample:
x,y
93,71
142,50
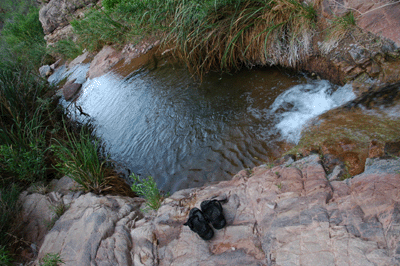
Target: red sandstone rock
x,y
103,62
287,215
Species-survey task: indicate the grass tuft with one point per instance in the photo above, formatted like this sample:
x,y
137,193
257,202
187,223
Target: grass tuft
x,y
339,28
209,34
51,259
79,159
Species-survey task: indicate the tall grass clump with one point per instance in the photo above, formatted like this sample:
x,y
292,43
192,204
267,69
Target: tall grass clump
x,y
9,208
78,157
24,38
208,34
147,188
66,49
340,26
230,34
99,28
23,124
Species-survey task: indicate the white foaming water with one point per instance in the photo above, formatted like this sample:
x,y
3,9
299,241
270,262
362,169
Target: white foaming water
x,y
298,105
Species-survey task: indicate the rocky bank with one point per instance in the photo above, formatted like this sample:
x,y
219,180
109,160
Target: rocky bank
x,y
290,214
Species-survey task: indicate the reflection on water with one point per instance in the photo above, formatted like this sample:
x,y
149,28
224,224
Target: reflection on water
x,y
160,122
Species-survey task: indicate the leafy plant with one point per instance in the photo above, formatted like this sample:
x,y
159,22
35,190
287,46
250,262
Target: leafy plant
x,y
147,188
99,28
27,164
51,259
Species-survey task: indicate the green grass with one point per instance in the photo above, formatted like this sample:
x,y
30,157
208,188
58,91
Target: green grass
x,y
58,210
207,34
51,259
23,39
66,49
78,157
147,188
337,31
5,258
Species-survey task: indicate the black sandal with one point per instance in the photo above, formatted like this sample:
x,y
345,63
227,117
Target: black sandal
x,y
199,224
213,212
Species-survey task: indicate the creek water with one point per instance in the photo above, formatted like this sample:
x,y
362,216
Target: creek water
x,y
159,121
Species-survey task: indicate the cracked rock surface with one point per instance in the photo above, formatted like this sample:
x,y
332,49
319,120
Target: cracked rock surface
x,y
287,215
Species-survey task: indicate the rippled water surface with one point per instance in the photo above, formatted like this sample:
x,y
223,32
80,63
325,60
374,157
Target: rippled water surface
x,y
159,121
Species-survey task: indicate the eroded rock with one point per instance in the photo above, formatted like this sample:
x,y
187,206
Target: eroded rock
x,y
287,215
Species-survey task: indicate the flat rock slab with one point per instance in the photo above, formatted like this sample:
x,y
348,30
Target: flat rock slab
x,y
287,215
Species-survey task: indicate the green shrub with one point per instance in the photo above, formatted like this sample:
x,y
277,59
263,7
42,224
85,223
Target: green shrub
x,y
209,34
147,188
27,165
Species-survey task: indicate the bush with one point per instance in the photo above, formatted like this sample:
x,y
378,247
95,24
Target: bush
x,y
27,164
110,4
148,189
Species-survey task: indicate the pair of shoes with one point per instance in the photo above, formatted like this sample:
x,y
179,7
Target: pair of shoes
x,y
211,212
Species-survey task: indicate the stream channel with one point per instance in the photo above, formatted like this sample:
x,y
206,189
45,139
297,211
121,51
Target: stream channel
x,y
159,121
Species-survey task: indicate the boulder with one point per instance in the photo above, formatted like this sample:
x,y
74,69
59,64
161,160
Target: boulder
x,y
45,71
57,13
104,61
70,90
287,215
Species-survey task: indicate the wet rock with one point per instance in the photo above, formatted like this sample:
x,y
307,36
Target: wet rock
x,y
83,58
392,148
104,61
359,55
70,90
45,71
55,65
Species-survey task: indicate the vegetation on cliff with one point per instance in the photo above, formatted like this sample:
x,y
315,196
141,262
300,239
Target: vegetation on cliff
x,y
31,122
222,34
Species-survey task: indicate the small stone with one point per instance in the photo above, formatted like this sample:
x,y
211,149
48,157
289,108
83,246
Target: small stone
x,y
45,71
